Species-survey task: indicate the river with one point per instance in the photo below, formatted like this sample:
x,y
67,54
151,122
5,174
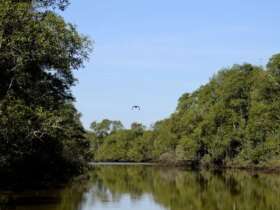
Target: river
x,y
144,187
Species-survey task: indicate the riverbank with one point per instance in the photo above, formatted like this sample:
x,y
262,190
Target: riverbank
x,y
122,163
265,168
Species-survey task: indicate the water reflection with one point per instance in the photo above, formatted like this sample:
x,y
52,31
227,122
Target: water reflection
x,y
149,187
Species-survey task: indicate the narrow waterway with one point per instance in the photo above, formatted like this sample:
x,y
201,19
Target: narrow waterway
x,y
144,187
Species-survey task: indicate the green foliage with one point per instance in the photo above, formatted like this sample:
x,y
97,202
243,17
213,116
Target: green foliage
x,y
40,129
164,140
111,142
105,127
235,117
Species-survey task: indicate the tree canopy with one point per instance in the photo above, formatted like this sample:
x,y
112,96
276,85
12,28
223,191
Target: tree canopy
x,y
234,119
39,126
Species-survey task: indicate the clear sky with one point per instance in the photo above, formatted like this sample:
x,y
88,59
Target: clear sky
x,y
150,52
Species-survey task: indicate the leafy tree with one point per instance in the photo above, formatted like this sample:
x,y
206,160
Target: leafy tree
x,y
105,127
40,129
234,119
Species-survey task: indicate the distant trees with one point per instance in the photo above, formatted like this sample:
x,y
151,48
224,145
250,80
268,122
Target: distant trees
x,y
40,130
105,127
232,120
110,141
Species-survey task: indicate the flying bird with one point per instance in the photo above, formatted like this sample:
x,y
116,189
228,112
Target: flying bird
x,y
136,107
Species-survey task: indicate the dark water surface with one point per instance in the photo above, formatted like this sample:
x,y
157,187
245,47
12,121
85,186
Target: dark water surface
x,y
152,188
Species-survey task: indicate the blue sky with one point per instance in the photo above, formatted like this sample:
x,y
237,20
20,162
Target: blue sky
x,y
150,52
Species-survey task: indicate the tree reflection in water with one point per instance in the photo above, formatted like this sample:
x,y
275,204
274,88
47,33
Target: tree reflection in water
x,y
153,188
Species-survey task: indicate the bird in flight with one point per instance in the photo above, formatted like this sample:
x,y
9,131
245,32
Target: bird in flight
x,y
136,107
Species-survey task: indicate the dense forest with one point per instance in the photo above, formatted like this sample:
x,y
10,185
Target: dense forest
x,y
233,120
41,134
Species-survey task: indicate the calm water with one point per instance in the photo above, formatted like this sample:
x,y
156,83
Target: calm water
x,y
152,188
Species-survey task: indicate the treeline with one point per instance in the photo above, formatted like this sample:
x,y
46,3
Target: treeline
x,y
41,135
233,120
111,142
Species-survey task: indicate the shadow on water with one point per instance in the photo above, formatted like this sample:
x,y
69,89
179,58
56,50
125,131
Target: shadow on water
x,y
142,187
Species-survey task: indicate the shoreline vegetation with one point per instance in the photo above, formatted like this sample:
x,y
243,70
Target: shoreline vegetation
x,y
249,168
232,121
41,136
